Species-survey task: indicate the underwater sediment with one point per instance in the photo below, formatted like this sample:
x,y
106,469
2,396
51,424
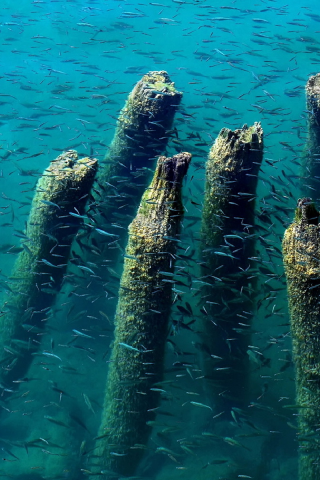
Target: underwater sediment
x,y
142,133
311,157
227,244
301,255
141,320
38,272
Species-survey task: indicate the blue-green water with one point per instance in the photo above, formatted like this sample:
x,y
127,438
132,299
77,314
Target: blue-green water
x,y
67,68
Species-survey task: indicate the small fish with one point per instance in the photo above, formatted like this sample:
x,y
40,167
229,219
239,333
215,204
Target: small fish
x,y
31,328
27,249
88,403
234,443
129,347
223,254
79,422
57,422
216,462
77,215
87,269
46,202
197,404
34,155
184,310
80,334
297,406
49,354
131,257
103,232
50,264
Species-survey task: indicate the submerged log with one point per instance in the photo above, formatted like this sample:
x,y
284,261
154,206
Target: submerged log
x,y
227,243
38,272
141,321
142,133
310,178
301,255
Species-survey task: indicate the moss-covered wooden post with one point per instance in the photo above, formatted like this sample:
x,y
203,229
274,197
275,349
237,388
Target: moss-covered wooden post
x,y
310,177
38,271
227,243
141,321
142,133
301,255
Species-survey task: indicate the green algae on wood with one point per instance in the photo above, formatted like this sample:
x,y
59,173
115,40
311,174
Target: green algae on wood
x,y
142,133
38,271
141,130
301,256
311,156
227,243
141,320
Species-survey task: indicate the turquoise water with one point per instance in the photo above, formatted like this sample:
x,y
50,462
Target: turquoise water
x,y
67,68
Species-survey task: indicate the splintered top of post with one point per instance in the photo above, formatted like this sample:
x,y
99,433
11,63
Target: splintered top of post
x,y
66,177
69,166
301,242
244,144
160,81
242,135
306,212
313,86
163,197
173,169
156,85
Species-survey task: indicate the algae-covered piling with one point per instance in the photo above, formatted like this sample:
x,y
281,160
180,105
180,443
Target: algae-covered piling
x,y
38,271
142,133
301,255
310,181
227,242
142,321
